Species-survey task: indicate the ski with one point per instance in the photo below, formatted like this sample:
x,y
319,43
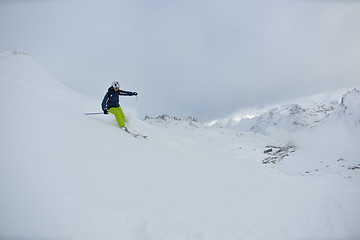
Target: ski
x,y
136,135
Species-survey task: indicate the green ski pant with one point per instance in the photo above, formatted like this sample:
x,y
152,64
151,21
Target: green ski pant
x,y
119,115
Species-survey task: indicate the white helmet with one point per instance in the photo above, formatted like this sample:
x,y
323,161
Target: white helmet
x,y
115,84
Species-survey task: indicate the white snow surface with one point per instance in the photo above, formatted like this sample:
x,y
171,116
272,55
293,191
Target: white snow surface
x,y
64,175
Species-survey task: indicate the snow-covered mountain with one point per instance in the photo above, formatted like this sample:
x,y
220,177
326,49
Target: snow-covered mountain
x,y
300,115
349,108
64,175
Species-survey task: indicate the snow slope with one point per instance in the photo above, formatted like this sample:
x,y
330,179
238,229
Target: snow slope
x,y
64,175
325,129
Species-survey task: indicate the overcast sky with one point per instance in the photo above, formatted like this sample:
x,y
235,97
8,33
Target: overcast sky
x,y
202,58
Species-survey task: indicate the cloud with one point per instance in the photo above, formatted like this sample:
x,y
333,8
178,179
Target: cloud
x,y
202,58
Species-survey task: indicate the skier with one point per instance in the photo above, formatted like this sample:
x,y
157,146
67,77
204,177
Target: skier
x,y
111,103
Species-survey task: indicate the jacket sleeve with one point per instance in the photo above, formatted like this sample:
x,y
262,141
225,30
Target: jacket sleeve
x,y
104,102
126,93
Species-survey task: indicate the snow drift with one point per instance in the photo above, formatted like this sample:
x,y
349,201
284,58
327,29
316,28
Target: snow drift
x,y
64,175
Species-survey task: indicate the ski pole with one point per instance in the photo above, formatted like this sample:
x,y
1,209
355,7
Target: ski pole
x,y
93,113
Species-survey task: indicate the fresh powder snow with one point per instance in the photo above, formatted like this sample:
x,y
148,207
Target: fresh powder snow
x,y
290,172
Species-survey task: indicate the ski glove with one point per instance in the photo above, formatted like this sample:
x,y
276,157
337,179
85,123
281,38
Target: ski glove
x,y
106,111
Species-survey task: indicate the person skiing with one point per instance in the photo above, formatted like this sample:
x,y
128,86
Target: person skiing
x,y
111,104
